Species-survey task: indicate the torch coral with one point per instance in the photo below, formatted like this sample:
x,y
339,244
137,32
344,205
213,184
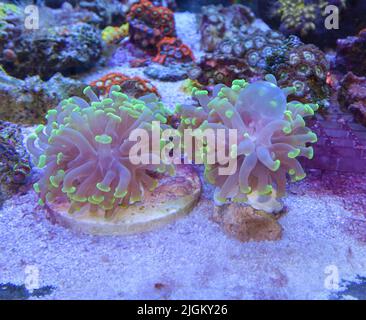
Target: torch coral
x,y
133,86
270,132
84,150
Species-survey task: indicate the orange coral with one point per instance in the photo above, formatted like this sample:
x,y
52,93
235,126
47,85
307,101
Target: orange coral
x,y
134,86
171,49
149,24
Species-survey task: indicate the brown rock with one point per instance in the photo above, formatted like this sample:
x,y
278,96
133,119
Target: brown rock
x,y
247,224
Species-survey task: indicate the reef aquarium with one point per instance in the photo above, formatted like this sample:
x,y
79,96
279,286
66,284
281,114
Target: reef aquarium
x,y
183,150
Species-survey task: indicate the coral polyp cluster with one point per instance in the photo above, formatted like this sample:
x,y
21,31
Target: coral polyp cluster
x,y
270,134
303,16
303,66
149,24
133,86
218,22
173,50
84,151
240,56
112,34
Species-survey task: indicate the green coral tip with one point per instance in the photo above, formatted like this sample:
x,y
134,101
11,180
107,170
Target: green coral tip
x,y
229,114
276,165
120,193
42,161
294,153
36,187
102,187
103,139
39,128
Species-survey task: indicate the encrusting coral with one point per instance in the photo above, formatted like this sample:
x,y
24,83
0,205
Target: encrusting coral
x,y
133,86
84,151
271,134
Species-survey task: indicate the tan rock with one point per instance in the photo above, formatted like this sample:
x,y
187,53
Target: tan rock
x,y
173,198
247,224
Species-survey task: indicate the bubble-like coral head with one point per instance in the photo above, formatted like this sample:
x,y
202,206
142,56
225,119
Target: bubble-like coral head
x,y
270,135
263,99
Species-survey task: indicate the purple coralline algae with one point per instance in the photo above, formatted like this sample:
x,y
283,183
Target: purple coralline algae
x,y
351,54
352,96
15,167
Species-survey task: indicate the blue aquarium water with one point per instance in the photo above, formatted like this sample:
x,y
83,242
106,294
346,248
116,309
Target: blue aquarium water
x,y
178,149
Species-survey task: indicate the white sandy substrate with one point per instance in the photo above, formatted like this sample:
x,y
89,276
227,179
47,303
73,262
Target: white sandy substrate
x,y
189,259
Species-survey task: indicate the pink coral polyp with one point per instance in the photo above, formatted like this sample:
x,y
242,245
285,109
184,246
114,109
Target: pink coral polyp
x,y
84,151
271,134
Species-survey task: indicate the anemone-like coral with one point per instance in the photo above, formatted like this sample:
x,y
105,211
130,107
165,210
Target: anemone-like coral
x,y
303,66
270,132
149,24
84,150
133,86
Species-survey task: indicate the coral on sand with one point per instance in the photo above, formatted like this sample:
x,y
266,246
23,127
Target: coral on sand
x,y
247,224
270,134
352,96
351,54
133,86
149,24
15,167
218,22
27,101
85,151
173,72
303,66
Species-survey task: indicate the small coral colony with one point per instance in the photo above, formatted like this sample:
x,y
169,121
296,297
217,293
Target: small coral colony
x,y
264,84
